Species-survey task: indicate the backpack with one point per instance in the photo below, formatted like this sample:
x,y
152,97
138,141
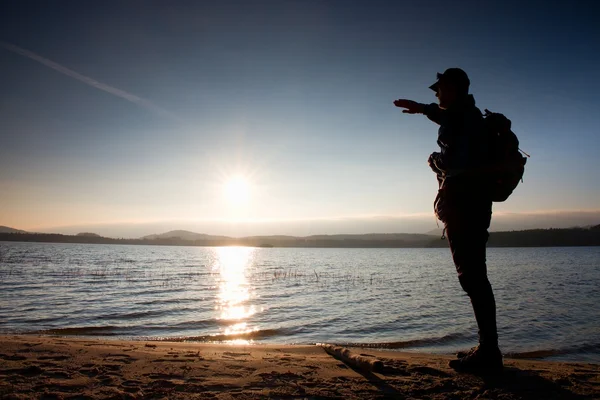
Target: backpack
x,y
505,164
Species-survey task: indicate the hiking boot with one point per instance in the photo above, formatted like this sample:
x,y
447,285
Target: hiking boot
x,y
479,360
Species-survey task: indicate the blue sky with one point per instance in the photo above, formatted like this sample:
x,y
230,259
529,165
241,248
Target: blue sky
x,y
295,97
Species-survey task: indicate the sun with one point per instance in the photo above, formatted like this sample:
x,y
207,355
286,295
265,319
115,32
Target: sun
x,y
237,190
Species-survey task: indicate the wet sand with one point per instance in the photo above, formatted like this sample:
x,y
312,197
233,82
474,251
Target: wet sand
x,y
43,367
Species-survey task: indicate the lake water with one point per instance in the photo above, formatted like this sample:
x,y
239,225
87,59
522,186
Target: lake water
x,y
410,299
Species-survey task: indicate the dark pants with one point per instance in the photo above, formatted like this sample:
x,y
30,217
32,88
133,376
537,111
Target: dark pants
x,y
467,231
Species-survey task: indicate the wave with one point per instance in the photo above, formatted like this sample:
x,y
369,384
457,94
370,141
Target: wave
x,y
409,343
252,335
171,301
160,332
148,291
110,330
545,353
81,331
135,315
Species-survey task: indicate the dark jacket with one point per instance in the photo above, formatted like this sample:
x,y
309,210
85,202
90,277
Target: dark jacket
x,y
463,149
461,137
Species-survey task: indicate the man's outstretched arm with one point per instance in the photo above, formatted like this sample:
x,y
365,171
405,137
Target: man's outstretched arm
x,y
432,111
411,107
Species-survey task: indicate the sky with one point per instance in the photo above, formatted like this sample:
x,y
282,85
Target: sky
x,y
256,117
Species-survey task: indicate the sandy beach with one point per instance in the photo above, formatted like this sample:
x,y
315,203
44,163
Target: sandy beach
x,y
42,367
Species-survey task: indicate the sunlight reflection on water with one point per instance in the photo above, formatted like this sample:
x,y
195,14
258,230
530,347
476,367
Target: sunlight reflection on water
x,y
235,291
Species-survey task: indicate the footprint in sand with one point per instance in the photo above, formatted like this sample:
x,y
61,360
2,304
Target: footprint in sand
x,y
57,374
105,379
163,383
241,367
163,376
60,387
112,367
53,358
173,360
122,358
27,372
230,353
195,380
131,383
13,357
90,372
31,344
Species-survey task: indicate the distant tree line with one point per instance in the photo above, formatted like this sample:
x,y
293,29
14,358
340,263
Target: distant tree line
x,y
547,237
527,238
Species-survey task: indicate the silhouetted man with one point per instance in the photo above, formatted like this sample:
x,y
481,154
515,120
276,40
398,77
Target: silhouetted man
x,y
463,204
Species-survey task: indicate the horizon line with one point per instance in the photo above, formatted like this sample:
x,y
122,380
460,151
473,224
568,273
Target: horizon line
x,y
302,219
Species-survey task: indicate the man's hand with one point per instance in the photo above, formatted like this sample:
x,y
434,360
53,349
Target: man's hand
x,y
412,107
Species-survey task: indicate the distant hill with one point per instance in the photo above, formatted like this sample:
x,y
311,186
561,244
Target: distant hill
x,y
6,229
435,232
184,235
88,234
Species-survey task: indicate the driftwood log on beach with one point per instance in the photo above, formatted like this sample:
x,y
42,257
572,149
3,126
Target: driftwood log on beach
x,y
370,363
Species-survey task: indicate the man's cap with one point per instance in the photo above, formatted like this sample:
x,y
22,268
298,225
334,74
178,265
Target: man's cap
x,y
454,76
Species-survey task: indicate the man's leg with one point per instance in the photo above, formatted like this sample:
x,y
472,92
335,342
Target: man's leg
x,y
467,235
468,253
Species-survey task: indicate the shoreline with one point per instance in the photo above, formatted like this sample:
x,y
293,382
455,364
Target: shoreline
x,y
60,368
434,349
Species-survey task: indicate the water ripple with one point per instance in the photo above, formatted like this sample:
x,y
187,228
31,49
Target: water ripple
x,y
393,298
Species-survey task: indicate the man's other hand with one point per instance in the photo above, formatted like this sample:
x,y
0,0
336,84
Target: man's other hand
x,y
412,107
